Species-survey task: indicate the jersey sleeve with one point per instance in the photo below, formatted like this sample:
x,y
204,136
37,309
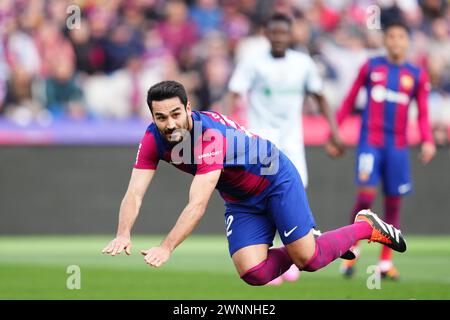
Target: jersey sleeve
x,y
314,83
422,92
349,101
210,151
242,77
147,154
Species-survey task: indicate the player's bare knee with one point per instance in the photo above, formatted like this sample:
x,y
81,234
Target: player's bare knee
x,y
302,250
302,258
301,262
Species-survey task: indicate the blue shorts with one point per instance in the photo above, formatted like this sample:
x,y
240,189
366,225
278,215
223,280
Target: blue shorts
x,y
389,164
283,206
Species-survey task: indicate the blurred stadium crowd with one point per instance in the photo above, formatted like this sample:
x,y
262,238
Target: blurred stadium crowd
x,y
102,68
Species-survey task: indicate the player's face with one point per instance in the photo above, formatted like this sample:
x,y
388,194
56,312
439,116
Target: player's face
x,y
279,35
172,118
396,41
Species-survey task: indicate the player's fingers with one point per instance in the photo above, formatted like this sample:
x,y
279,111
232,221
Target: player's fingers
x,y
423,158
121,247
426,159
116,248
157,263
341,149
332,151
147,257
128,249
151,259
144,252
109,248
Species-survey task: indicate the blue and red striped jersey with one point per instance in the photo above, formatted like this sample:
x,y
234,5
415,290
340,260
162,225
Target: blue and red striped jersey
x,y
216,142
390,90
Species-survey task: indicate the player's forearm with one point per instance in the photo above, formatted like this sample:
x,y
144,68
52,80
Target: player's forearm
x,y
185,224
349,102
326,111
129,210
423,120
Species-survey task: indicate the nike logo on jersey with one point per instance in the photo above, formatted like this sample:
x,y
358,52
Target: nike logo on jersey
x,y
287,234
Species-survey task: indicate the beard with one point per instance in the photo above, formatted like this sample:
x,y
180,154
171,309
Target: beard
x,y
174,136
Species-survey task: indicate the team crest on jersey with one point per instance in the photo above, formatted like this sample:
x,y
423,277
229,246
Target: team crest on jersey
x,y
377,76
406,82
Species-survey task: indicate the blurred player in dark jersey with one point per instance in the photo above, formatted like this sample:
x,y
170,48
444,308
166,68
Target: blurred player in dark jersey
x,y
382,153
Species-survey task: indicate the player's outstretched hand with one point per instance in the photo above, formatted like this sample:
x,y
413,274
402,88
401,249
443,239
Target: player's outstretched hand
x,y
334,147
427,153
156,256
117,245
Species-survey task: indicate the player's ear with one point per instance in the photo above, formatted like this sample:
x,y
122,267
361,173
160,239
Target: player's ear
x,y
188,108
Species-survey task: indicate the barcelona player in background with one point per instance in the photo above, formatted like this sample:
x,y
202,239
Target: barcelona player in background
x,y
382,153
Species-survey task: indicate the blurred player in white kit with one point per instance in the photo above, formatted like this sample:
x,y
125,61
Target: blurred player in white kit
x,y
274,82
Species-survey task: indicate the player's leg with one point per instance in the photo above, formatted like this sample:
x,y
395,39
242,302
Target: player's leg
x,y
250,235
295,153
257,265
288,207
367,175
396,183
248,257
365,196
279,280
391,216
310,254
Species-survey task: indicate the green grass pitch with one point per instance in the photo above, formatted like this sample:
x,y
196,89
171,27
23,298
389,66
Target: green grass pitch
x,y
36,268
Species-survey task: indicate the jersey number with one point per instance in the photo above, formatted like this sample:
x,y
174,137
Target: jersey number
x,y
228,222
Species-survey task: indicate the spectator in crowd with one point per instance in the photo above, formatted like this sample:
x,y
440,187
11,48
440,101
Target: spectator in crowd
x,y
235,24
178,32
63,95
21,105
90,55
207,15
53,47
439,70
124,42
157,57
216,67
121,43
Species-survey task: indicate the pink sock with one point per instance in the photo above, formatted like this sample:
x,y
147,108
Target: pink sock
x,y
364,200
331,245
392,210
391,216
277,262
